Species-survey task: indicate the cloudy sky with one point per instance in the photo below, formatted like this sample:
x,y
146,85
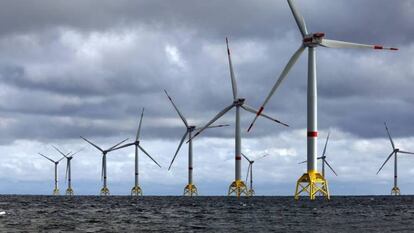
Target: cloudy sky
x,y
72,68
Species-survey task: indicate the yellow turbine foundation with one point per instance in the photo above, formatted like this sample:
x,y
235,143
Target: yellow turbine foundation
x,y
190,190
250,193
136,191
69,192
395,191
238,188
104,191
312,183
56,192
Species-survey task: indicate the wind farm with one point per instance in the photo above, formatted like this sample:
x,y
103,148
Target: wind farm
x,y
184,84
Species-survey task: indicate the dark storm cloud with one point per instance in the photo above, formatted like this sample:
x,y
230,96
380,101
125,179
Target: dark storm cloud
x,y
101,61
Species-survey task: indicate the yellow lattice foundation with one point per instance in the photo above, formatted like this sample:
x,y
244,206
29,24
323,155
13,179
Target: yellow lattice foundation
x,y
56,192
104,191
238,188
69,192
395,191
136,191
250,192
312,183
190,190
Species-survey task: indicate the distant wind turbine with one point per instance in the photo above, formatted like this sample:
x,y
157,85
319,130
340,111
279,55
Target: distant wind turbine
x,y
56,189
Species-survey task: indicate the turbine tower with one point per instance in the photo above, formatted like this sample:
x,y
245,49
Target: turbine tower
x,y
56,189
136,190
323,158
237,187
312,182
104,190
68,173
250,173
190,189
395,190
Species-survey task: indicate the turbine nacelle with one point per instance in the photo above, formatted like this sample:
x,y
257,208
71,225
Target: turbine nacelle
x,y
239,101
314,39
191,128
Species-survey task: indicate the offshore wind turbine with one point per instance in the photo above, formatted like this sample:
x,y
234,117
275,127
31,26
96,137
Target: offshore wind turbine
x,y
190,189
237,187
104,189
323,158
56,189
250,172
136,190
311,182
68,173
395,190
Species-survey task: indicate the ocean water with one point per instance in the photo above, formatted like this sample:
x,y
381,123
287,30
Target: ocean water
x,y
205,214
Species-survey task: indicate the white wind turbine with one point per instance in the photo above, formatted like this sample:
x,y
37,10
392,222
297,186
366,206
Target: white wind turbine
x,y
68,173
237,187
250,172
56,189
136,190
190,189
105,189
311,182
323,158
395,190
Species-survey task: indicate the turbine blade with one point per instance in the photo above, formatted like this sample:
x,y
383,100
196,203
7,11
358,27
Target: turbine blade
x,y
123,146
61,159
220,114
139,126
298,18
246,157
178,149
76,152
97,147
326,144
176,109
263,156
232,76
248,172
282,76
303,162
252,110
142,149
388,158
342,44
51,160
389,136
326,162
216,126
406,152
110,149
60,151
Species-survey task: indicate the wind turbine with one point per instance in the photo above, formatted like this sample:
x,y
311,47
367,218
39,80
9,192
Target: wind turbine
x,y
311,182
190,189
250,172
56,189
68,173
237,187
136,190
395,190
323,158
104,190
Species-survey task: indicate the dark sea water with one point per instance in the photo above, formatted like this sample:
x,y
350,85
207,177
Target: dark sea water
x,y
205,214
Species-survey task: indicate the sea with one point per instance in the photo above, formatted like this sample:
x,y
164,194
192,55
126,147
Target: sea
x,y
20,213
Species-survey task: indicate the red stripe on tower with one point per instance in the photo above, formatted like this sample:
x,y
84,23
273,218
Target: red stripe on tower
x,y
190,168
238,158
313,134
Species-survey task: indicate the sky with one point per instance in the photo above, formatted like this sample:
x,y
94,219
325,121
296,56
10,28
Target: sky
x,y
87,68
